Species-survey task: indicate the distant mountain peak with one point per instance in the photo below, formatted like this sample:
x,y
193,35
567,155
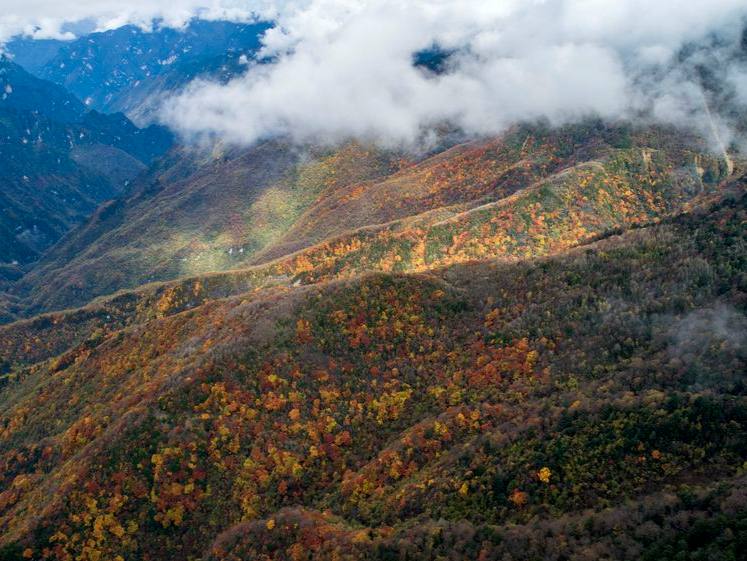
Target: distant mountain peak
x,y
123,69
19,90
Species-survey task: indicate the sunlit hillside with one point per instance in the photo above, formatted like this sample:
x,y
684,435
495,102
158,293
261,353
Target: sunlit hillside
x,y
368,281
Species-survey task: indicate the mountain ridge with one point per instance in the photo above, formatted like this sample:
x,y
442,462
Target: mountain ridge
x,y
523,346
384,487
127,69
463,173
20,91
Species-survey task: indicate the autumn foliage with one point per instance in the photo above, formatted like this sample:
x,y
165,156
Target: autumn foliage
x,y
499,387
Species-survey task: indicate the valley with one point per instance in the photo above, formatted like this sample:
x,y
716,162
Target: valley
x,y
526,344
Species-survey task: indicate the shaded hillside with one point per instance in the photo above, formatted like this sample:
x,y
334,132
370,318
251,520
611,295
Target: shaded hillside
x,y
20,91
47,187
590,404
59,162
55,174
534,192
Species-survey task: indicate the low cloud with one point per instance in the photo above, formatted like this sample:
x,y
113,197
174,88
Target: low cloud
x,y
344,68
709,346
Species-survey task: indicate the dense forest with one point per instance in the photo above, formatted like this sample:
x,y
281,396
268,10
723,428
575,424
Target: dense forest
x,y
589,404
327,286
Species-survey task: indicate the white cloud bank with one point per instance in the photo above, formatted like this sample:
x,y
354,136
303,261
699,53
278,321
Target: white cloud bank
x,y
344,68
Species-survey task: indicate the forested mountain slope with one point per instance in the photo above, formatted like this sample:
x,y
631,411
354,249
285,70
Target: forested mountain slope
x,y
339,212
489,302
591,403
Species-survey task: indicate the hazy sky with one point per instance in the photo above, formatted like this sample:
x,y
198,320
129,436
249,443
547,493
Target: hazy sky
x,y
344,66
